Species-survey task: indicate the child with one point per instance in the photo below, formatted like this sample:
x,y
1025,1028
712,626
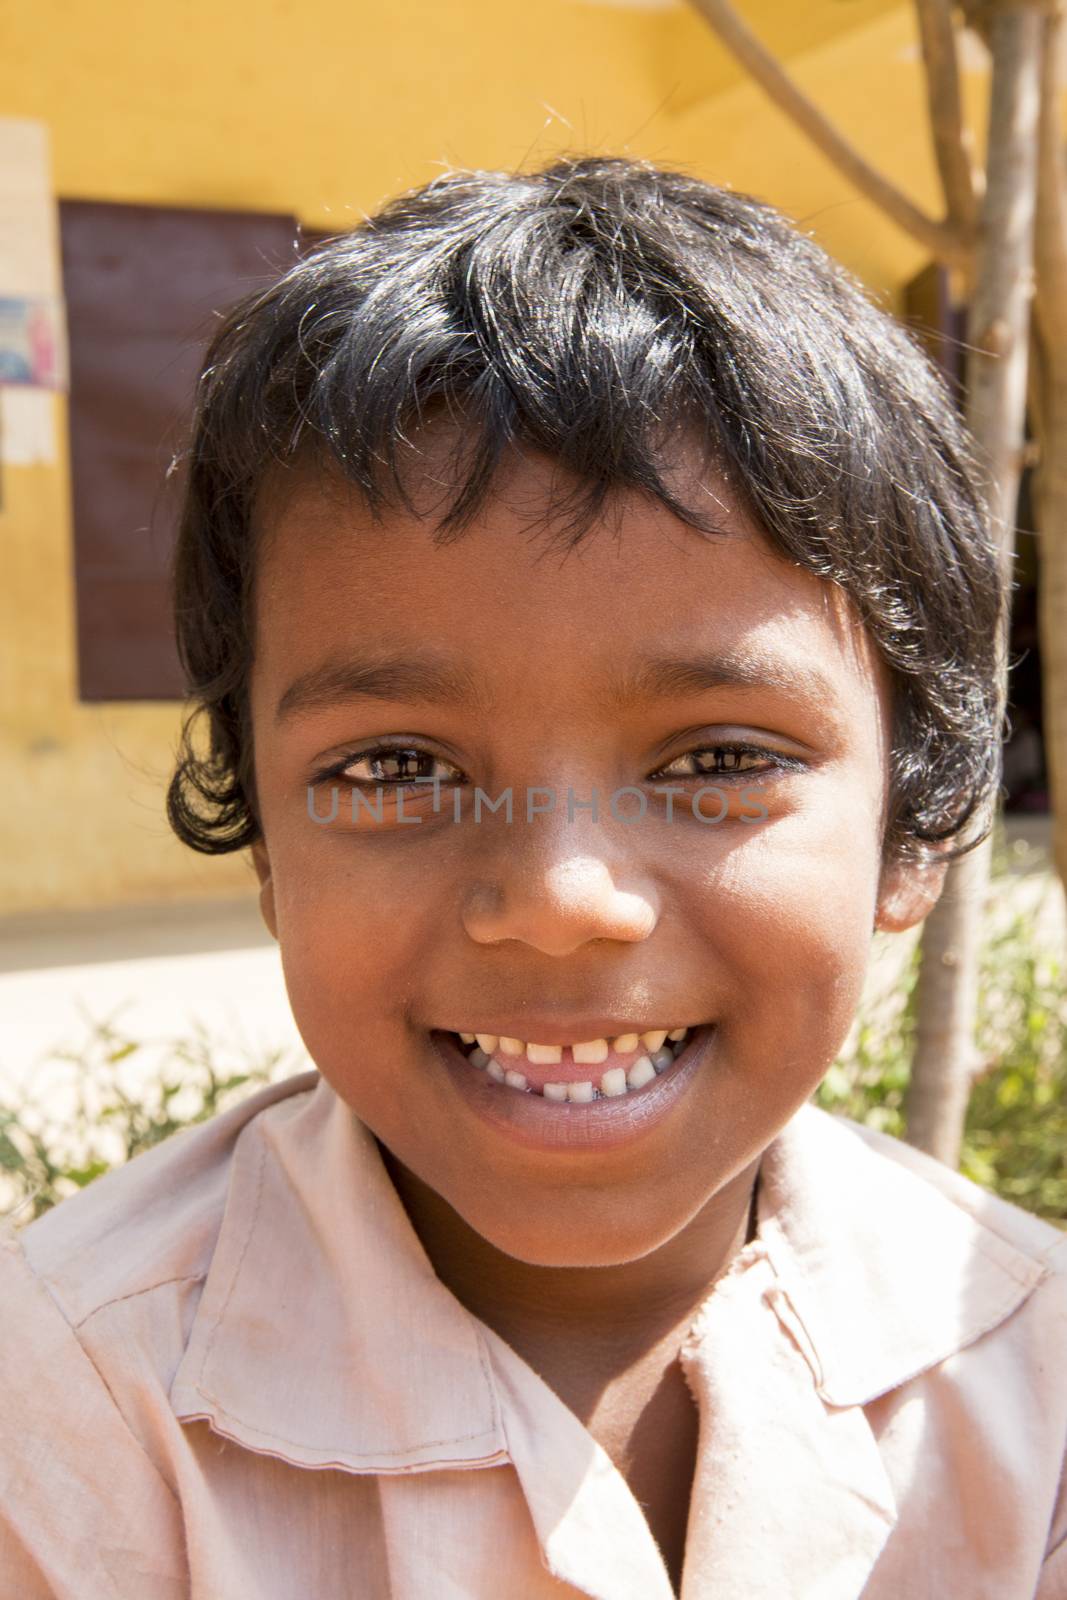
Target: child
x,y
591,601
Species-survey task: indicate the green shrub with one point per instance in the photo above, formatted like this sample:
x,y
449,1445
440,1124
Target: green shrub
x,y
46,1154
1015,1137
1016,1132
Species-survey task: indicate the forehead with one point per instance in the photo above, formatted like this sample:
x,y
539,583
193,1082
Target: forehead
x,y
509,609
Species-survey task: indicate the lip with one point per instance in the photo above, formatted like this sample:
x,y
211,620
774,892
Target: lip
x,y
539,1124
572,1029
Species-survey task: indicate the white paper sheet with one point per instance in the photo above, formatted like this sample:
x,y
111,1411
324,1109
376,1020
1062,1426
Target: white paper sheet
x,y
33,352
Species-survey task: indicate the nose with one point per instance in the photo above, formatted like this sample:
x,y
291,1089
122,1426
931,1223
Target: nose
x,y
555,892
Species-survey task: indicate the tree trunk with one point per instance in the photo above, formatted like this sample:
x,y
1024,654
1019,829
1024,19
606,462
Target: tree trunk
x,y
1049,389
1051,502
998,337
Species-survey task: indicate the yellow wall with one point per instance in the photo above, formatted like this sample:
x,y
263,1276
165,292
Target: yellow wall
x,y
323,108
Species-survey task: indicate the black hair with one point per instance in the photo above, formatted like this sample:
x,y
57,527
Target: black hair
x,y
591,310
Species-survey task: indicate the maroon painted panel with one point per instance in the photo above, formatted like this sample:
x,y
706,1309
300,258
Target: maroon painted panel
x,y
143,285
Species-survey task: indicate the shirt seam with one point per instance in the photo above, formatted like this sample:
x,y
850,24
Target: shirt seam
x,y
132,1294
490,1382
1039,1268
1055,1549
236,1271
342,1449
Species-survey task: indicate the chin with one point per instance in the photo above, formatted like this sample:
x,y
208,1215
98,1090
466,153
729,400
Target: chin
x,y
573,1243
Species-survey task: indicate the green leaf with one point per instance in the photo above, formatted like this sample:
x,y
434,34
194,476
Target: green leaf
x,y
85,1175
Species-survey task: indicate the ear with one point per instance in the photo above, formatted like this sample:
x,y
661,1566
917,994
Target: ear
x,y
907,893
261,861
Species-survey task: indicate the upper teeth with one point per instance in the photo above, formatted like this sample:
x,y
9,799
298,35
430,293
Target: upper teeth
x,y
500,1058
588,1051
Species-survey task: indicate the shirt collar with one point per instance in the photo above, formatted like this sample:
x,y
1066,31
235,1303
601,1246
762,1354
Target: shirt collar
x,y
324,1337
890,1260
322,1334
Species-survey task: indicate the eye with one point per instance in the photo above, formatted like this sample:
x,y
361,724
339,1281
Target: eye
x,y
729,760
398,765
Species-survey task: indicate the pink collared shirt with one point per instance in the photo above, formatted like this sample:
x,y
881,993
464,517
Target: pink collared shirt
x,y
228,1372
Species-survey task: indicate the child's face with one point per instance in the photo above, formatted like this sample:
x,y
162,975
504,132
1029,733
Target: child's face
x,y
561,929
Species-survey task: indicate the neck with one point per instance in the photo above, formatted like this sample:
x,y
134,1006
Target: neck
x,y
623,1311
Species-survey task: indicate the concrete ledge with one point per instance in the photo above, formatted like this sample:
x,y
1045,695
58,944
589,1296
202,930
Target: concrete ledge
x,y
30,941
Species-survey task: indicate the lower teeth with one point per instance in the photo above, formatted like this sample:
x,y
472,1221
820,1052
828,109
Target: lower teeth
x,y
581,1093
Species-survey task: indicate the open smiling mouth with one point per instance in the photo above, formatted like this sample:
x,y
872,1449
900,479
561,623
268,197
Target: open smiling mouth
x,y
595,1069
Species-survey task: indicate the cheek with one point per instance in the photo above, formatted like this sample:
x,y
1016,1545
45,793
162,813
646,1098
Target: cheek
x,y
790,914
353,930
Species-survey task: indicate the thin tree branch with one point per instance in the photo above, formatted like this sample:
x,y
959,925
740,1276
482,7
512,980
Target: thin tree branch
x,y
997,335
976,17
1051,228
952,140
943,239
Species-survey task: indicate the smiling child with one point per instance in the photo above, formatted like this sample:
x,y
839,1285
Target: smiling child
x,y
590,598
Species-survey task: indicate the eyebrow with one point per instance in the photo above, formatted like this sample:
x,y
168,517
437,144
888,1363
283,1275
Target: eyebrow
x,y
424,679
659,677
431,680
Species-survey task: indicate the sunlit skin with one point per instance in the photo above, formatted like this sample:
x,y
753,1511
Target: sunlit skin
x,y
389,931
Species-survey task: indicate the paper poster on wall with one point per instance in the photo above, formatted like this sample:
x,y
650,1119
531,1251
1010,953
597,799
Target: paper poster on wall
x,y
31,343
33,346
27,426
